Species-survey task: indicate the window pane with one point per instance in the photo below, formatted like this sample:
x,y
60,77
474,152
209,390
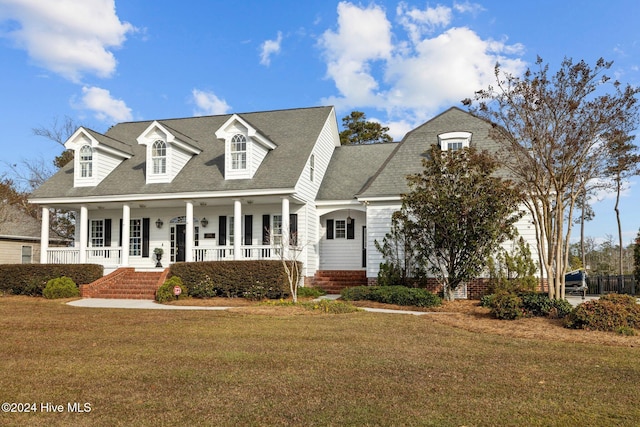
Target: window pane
x,y
341,229
135,237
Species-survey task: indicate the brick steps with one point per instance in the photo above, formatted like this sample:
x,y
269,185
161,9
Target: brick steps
x,y
334,281
126,283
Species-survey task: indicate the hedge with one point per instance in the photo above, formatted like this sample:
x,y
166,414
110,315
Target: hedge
x,y
398,295
30,279
248,279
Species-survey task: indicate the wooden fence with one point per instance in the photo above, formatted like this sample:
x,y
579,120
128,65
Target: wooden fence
x,y
600,285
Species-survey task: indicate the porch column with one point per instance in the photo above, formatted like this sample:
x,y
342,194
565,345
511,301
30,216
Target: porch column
x,y
237,230
126,234
188,244
84,234
44,235
285,227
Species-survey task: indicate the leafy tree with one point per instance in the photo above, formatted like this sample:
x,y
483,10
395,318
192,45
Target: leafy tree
x,y
358,130
513,271
623,163
636,260
459,214
402,264
554,132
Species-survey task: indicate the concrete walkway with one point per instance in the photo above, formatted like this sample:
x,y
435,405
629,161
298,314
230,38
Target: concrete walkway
x,y
152,305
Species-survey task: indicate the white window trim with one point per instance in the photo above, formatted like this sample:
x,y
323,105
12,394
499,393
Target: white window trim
x,y
444,139
239,165
159,158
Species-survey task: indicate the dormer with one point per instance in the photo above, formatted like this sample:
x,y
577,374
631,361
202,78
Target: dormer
x,y
94,156
452,141
167,151
244,148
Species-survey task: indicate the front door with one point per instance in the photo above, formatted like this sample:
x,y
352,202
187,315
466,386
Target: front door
x,y
181,232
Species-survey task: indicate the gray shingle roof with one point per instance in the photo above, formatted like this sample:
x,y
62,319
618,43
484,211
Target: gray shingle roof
x,y
407,158
351,168
293,131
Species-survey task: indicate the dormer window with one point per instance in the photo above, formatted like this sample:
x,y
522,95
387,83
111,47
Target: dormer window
x,y
238,152
86,162
159,157
453,141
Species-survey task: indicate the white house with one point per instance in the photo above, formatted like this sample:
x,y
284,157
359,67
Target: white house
x,y
241,187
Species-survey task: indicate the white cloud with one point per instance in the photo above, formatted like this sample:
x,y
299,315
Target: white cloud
x,y
434,66
269,48
105,108
208,103
363,36
418,22
468,7
68,37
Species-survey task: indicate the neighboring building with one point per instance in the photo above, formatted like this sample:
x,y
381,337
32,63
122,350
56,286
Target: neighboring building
x,y
20,237
241,186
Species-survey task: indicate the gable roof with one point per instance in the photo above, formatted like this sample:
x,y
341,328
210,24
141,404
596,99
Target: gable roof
x,y
294,132
350,169
391,178
15,224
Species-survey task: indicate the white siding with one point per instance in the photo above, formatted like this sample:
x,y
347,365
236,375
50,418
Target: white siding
x,y
255,155
341,254
176,161
322,151
104,164
378,225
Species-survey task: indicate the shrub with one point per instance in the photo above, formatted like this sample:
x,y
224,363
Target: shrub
x,y
165,291
62,287
609,313
310,292
356,293
507,306
204,288
31,279
234,278
398,295
513,305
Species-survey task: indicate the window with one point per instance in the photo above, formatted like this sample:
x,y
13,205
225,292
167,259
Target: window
x,y
276,230
238,152
453,141
454,145
341,229
27,252
312,166
159,157
135,237
86,162
97,233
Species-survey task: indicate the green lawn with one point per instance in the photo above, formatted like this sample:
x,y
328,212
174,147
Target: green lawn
x,y
156,367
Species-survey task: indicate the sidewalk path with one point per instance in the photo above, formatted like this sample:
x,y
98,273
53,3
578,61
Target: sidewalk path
x,y
152,305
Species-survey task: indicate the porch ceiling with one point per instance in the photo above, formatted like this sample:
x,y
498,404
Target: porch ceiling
x,y
173,203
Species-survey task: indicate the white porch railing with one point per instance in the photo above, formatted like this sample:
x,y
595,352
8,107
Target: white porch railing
x,y
113,255
63,256
224,253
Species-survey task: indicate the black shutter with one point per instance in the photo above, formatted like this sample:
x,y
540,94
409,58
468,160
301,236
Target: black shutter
x,y
107,232
351,229
120,235
266,230
293,229
222,230
145,237
248,229
329,229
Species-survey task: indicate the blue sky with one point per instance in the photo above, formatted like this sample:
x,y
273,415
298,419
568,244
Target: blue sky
x,y
401,62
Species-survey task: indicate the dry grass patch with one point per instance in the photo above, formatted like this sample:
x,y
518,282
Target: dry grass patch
x,y
173,367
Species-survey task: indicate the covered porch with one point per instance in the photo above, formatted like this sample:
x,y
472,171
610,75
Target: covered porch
x,y
257,227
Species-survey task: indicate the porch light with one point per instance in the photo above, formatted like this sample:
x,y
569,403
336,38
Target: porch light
x,y
159,223
204,222
349,217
